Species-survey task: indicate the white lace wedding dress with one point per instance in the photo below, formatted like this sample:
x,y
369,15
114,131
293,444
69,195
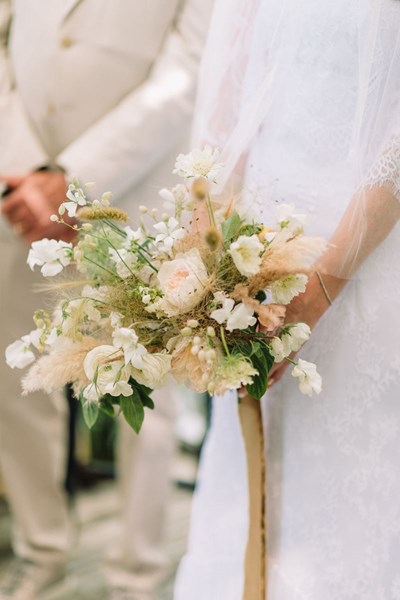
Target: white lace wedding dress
x,y
333,499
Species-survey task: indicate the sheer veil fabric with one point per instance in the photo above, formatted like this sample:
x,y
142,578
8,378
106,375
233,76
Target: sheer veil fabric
x,y
304,100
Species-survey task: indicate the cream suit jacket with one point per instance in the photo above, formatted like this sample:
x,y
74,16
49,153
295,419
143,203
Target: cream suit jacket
x,y
104,88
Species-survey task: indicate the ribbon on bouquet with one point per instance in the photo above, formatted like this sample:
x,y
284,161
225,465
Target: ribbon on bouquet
x,y
255,584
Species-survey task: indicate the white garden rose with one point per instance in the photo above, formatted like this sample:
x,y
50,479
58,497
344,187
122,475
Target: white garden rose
x,y
284,290
246,254
309,379
155,368
105,367
183,282
51,255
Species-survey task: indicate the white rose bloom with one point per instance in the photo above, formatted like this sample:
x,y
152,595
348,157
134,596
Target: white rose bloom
x,y
154,370
18,354
199,162
168,233
309,379
246,254
51,255
287,217
105,367
124,261
296,337
241,318
183,282
279,350
284,290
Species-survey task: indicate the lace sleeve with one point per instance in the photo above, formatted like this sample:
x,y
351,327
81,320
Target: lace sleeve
x,y
386,170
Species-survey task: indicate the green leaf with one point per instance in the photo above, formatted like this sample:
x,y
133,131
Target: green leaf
x,y
90,412
262,361
132,409
230,227
106,405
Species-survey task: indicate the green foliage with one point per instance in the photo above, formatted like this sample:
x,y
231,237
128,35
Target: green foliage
x,y
262,360
230,228
90,411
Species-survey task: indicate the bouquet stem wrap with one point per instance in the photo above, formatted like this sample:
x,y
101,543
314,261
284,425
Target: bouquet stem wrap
x,y
256,559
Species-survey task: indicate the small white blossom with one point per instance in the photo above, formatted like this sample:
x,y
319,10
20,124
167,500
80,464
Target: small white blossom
x,y
127,340
246,254
236,317
168,233
288,218
51,255
309,379
76,198
279,350
201,162
19,354
284,290
296,337
105,368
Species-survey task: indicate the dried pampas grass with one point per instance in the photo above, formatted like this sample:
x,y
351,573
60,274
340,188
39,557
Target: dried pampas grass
x,y
62,366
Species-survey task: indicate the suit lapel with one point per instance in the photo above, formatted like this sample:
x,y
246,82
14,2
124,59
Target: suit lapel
x,y
67,7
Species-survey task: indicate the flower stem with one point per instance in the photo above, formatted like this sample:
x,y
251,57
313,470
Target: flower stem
x,y
225,345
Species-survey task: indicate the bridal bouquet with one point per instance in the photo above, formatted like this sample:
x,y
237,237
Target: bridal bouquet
x,y
134,306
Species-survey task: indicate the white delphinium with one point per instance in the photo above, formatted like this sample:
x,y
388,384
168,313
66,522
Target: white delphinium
x,y
288,218
235,317
284,290
124,261
19,354
246,254
127,340
309,379
201,162
51,255
76,198
168,233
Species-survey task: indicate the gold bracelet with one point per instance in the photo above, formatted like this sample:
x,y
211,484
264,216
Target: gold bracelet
x,y
327,296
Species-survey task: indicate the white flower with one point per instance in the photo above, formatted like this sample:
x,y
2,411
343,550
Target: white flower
x,y
76,198
128,341
154,370
221,315
199,162
183,282
236,317
168,233
279,350
287,217
105,368
175,200
284,290
51,255
309,379
246,253
296,336
19,354
233,372
134,235
124,261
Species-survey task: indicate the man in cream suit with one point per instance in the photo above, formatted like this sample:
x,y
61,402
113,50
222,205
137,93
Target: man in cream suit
x,y
100,89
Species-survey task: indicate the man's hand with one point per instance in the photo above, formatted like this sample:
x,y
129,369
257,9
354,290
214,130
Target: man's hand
x,y
33,199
